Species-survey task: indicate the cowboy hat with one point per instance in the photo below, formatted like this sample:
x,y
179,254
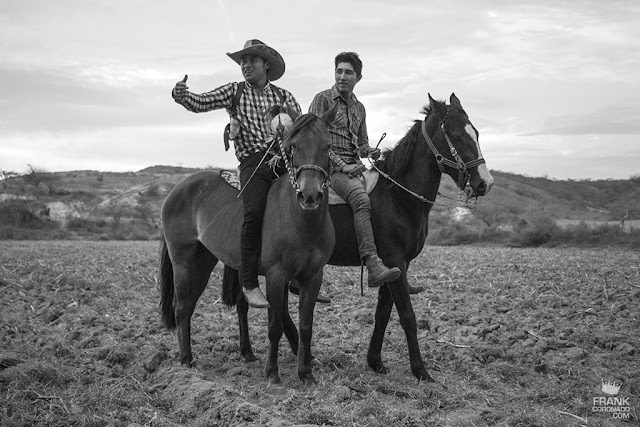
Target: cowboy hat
x,y
256,47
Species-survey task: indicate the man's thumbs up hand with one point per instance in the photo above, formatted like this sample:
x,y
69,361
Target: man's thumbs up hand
x,y
181,89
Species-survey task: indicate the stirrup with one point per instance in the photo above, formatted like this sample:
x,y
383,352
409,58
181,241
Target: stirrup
x,y
255,298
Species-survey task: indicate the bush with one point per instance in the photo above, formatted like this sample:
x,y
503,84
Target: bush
x,y
538,231
88,226
455,233
603,235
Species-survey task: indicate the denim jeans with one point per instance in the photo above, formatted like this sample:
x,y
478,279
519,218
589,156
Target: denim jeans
x,y
254,197
352,190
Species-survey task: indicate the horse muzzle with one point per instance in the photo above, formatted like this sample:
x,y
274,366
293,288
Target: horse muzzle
x,y
311,182
480,184
309,202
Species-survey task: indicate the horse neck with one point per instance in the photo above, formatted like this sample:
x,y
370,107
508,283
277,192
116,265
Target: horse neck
x,y
422,175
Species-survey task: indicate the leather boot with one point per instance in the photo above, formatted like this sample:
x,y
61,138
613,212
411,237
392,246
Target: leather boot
x,y
255,298
415,289
294,288
379,273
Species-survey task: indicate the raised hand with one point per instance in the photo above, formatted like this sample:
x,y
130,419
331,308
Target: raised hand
x,y
181,88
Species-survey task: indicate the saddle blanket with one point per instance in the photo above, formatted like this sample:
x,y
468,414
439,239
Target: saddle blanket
x,y
369,179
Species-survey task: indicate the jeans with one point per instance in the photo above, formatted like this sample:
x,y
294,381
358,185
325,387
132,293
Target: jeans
x,y
352,190
254,197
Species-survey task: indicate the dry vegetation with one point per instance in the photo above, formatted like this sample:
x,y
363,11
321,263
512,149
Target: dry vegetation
x,y
513,337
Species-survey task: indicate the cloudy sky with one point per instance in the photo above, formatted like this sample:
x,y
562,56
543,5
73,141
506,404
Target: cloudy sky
x,y
552,86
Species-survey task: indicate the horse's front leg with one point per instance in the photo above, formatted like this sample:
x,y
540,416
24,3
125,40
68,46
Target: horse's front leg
x,y
308,296
290,328
383,312
400,293
276,288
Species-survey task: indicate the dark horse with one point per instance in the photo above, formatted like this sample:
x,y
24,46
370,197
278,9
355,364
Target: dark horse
x,y
444,142
202,218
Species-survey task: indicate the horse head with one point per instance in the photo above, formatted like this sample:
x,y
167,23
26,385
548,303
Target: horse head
x,y
307,149
456,138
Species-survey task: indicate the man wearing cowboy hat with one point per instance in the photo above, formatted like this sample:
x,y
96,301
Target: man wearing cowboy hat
x,y
260,65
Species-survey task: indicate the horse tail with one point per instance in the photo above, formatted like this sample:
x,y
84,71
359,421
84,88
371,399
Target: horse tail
x,y
166,287
230,286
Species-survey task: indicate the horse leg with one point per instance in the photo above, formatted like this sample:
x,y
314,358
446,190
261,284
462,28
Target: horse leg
x,y
307,303
400,293
383,312
290,329
242,307
191,275
276,291
232,295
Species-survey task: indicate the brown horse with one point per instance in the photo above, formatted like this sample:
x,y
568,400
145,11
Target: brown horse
x,y
444,142
202,218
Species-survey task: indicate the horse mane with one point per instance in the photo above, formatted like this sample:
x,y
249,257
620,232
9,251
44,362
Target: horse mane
x,y
301,125
397,159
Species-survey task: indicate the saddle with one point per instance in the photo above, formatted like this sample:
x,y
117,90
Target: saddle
x,y
369,179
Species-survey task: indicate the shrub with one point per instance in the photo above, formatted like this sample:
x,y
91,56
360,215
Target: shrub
x,y
538,231
452,234
20,213
88,226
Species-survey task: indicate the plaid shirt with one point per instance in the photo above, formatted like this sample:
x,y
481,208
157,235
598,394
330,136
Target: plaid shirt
x,y
349,138
255,132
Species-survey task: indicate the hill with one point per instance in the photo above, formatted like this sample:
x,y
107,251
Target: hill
x,y
78,200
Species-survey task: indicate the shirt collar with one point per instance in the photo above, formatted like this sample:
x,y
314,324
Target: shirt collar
x,y
268,85
335,94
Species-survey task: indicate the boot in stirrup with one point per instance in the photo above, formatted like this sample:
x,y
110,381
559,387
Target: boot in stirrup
x,y
255,298
379,273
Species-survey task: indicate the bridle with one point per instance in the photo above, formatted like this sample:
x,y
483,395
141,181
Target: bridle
x,y
293,171
459,164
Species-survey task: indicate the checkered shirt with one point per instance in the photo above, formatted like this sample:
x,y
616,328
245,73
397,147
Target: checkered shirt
x,y
255,133
349,138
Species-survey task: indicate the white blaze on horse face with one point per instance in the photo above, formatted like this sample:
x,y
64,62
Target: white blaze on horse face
x,y
483,171
472,133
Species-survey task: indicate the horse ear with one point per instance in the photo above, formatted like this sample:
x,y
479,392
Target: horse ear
x,y
291,112
455,101
438,107
330,115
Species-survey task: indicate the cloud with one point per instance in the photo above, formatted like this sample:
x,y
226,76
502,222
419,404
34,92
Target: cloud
x,y
616,120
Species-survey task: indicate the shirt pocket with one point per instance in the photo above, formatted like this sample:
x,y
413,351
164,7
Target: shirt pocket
x,y
354,124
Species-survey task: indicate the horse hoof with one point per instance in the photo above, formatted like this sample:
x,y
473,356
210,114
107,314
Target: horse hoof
x,y
424,376
276,388
249,358
377,366
380,369
189,364
309,381
316,363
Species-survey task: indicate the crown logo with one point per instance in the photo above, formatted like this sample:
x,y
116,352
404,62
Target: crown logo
x,y
610,387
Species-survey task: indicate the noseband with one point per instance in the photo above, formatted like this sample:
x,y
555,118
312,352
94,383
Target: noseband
x,y
459,164
295,172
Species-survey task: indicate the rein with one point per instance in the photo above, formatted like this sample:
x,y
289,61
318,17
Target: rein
x,y
419,197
